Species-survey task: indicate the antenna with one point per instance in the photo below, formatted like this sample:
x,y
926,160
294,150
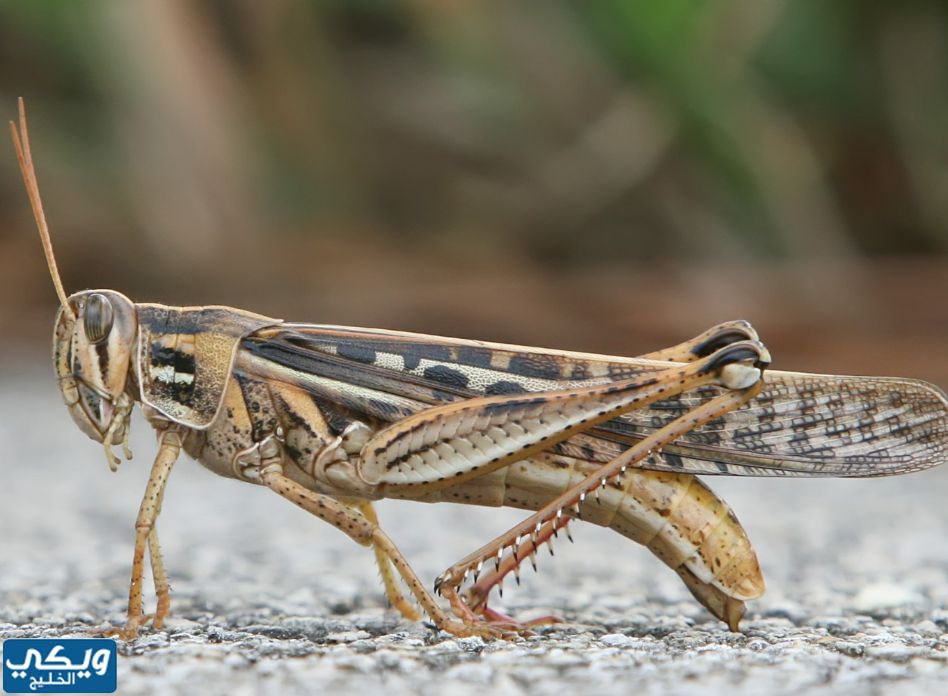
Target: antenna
x,y
25,158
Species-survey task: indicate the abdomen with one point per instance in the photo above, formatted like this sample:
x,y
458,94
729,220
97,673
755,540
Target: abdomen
x,y
676,516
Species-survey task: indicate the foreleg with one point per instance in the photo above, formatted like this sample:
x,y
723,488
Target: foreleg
x,y
169,447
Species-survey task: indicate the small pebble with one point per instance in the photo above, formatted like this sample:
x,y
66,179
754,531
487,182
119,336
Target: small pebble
x,y
894,653
616,640
347,636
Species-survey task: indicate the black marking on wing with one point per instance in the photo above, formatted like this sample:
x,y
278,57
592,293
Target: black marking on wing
x,y
474,356
442,374
358,353
504,387
809,425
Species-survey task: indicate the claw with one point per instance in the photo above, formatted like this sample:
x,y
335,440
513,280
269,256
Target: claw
x,y
499,619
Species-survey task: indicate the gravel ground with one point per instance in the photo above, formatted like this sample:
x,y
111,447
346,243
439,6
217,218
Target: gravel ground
x,y
269,600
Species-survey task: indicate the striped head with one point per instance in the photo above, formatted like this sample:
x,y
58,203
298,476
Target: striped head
x,y
93,344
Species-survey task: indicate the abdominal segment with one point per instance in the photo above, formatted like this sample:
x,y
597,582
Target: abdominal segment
x,y
676,516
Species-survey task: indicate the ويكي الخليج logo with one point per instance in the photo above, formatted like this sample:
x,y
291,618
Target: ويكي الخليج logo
x,y
59,665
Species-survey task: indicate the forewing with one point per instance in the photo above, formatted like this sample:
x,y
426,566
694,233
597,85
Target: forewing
x,y
804,424
800,425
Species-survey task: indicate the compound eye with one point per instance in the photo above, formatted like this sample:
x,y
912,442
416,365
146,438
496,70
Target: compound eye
x,y
97,318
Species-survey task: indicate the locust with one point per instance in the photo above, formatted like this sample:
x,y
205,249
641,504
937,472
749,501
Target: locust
x,y
332,418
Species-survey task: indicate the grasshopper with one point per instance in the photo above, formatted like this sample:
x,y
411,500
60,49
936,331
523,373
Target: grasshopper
x,y
332,418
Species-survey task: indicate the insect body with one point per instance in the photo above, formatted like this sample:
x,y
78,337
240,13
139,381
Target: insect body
x,y
332,418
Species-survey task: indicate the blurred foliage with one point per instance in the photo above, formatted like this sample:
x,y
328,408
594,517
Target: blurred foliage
x,y
563,132
589,174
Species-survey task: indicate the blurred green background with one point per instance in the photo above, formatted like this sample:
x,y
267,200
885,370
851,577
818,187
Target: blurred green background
x,y
604,176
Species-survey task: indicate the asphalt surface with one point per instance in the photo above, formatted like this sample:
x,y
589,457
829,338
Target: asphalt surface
x,y
269,600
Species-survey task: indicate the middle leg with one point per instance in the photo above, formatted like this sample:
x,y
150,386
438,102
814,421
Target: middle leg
x,y
384,563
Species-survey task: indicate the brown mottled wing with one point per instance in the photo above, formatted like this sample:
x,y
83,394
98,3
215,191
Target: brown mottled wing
x,y
185,355
800,425
809,425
